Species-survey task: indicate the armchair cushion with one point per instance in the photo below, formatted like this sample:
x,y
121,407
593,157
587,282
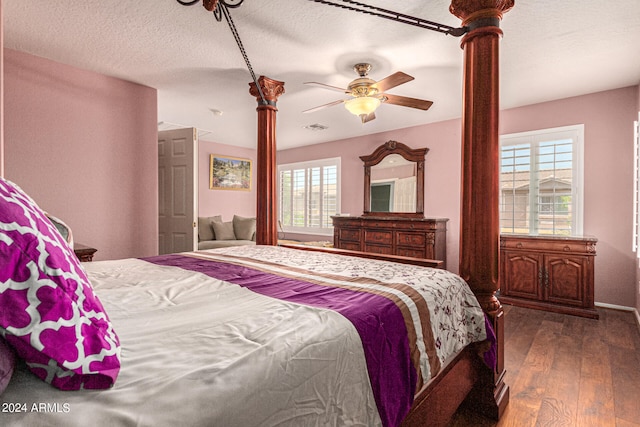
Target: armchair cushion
x,y
244,228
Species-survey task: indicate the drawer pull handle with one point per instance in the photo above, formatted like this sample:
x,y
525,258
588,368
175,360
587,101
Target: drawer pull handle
x,y
567,248
519,245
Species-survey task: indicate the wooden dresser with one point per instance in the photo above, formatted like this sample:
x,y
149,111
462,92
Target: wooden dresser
x,y
549,273
410,237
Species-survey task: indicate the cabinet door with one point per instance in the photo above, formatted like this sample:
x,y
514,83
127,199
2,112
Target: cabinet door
x,y
566,279
522,275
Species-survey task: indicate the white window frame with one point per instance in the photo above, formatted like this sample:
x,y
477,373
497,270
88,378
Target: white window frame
x,y
636,186
576,132
324,229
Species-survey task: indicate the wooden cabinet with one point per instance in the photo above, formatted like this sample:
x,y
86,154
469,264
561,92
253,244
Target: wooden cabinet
x,y
549,273
410,237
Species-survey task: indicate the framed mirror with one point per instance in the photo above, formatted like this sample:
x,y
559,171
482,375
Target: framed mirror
x,y
394,181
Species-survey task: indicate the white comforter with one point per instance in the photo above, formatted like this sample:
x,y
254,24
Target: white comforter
x,y
197,351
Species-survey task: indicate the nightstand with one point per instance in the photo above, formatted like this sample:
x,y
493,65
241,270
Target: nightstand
x,y
83,252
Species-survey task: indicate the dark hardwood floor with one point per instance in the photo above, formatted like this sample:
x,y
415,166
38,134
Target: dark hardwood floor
x,y
568,371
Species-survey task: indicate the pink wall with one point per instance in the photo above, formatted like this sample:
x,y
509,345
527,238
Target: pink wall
x,y
608,118
224,202
84,146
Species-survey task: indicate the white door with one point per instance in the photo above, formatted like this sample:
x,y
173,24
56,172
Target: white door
x,y
177,186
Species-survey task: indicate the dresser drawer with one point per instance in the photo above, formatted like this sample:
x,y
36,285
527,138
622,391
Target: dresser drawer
x,y
411,252
379,249
380,224
550,245
350,234
352,246
404,238
382,237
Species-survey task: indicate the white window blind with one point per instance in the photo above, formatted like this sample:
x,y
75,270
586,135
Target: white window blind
x,y
309,194
541,182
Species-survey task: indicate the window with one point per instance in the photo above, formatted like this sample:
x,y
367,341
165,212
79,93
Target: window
x,y
541,182
309,194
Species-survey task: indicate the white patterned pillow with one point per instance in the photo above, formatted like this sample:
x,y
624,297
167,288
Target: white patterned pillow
x,y
49,313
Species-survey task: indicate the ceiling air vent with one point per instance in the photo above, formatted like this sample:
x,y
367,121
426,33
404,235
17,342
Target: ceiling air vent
x,y
316,126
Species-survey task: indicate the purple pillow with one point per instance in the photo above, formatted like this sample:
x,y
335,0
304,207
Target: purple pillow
x,y
7,364
49,314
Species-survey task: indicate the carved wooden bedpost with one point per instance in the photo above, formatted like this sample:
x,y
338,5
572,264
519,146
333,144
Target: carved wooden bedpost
x,y
479,216
266,215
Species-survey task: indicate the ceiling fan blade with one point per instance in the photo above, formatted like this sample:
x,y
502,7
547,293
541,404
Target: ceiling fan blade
x,y
324,86
405,101
320,107
395,79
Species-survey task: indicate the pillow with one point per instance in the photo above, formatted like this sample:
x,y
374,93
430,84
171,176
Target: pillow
x,y
223,230
244,228
7,364
205,229
63,229
49,314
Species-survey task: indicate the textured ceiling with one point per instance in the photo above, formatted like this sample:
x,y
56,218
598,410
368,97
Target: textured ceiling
x,y
551,49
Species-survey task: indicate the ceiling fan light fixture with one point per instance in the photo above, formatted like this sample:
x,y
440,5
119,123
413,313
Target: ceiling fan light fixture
x,y
363,105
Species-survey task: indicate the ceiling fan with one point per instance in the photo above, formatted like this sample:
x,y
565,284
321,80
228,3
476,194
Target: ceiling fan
x,y
367,94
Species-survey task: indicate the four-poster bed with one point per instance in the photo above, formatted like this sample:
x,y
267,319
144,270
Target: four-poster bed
x,y
254,280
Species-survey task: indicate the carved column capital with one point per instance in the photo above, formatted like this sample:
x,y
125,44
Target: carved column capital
x,y
272,89
470,10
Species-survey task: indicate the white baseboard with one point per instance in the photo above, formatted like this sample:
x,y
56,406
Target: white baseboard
x,y
622,308
614,307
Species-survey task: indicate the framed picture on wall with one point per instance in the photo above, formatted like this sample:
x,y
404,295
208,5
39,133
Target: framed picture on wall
x,y
229,173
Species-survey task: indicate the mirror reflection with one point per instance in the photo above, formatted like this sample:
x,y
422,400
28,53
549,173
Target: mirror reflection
x,y
393,185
